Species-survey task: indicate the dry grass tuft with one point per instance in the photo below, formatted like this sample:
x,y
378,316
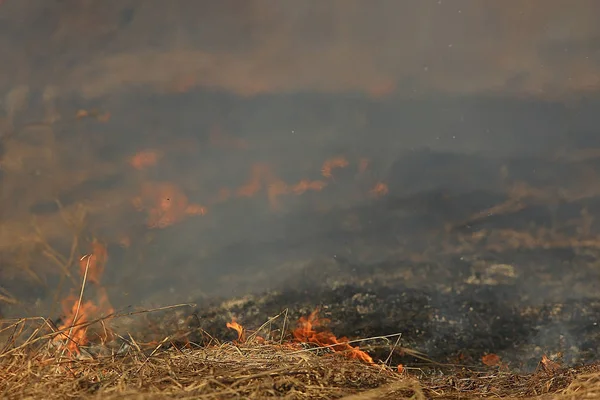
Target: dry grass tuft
x,y
33,365
220,372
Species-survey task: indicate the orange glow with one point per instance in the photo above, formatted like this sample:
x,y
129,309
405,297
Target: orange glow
x,y
239,329
82,114
379,190
306,332
195,209
125,241
400,368
166,204
144,159
329,165
259,173
97,261
103,117
491,360
78,314
306,185
276,189
382,89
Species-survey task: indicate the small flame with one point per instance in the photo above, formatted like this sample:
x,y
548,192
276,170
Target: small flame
x,y
329,165
379,190
306,332
166,204
79,313
306,185
239,329
97,261
258,174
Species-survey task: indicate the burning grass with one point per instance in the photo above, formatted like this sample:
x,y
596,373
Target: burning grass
x,y
33,364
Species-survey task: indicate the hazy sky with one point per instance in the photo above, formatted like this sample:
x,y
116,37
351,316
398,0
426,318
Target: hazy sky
x,y
545,48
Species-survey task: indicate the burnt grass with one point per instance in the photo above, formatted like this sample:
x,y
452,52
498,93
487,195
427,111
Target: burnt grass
x,y
447,328
460,271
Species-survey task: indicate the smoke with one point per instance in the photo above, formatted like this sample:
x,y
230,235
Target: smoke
x,y
536,48
276,133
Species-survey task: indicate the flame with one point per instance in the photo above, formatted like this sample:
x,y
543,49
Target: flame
x,y
144,159
379,190
276,189
306,332
259,173
104,117
239,329
96,264
306,185
166,204
77,313
329,165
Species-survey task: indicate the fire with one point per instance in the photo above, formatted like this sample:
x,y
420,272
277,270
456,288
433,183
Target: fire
x,y
276,188
144,159
166,204
94,263
329,165
306,332
78,313
104,117
258,175
379,190
241,332
306,185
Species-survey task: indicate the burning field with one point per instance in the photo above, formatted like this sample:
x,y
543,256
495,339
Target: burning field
x,y
205,201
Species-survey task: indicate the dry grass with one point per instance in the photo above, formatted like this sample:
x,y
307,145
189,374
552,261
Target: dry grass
x,y
34,365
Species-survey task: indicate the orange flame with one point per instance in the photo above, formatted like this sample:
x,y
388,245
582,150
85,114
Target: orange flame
x,y
239,329
379,190
166,204
258,174
329,165
77,313
306,185
97,261
306,332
